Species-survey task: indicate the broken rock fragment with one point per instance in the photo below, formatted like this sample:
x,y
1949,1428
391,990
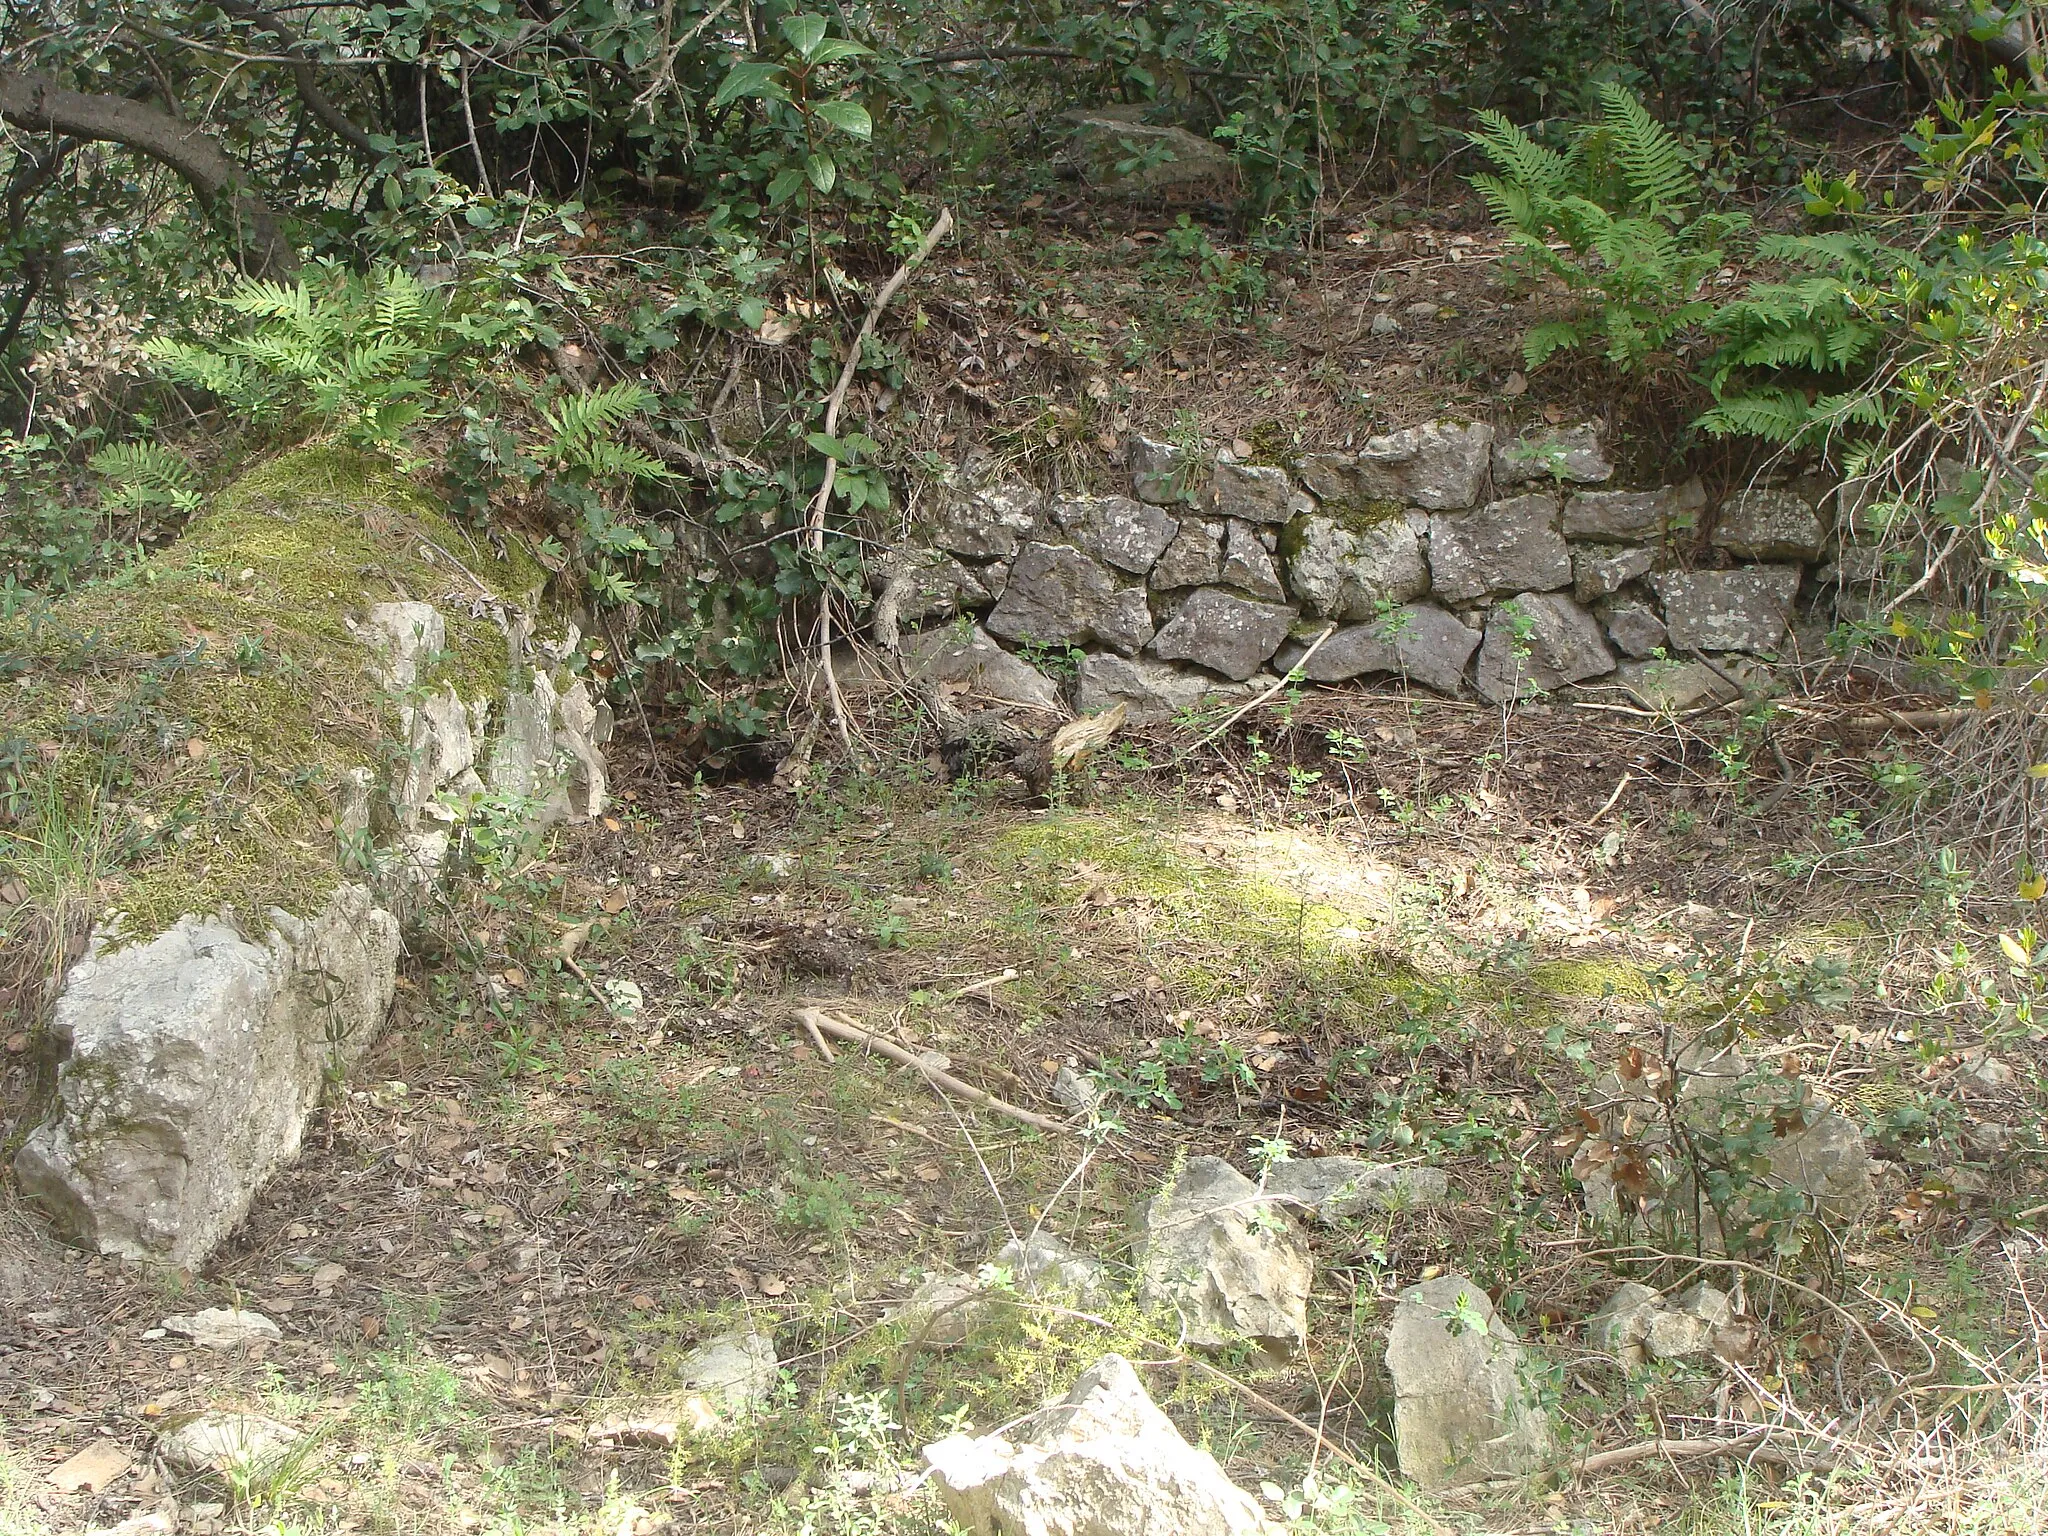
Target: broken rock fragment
x,y
1465,1408
1227,1258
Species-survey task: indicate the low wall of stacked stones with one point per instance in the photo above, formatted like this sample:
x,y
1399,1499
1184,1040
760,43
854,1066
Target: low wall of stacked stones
x,y
1466,563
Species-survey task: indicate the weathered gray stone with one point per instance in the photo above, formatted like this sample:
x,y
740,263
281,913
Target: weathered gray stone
x,y
1637,1325
1151,691
1506,546
407,637
1600,570
1570,454
1105,1462
963,653
1166,158
1334,1188
549,755
222,1327
1193,559
1538,642
1118,531
1226,634
1419,641
1440,466
1463,1410
193,1063
987,522
1673,686
1248,566
1628,515
937,586
1769,525
1161,473
1345,570
237,1443
735,1373
1621,1327
1332,477
1226,1258
948,1309
1635,629
1746,609
1254,493
1125,622
1053,597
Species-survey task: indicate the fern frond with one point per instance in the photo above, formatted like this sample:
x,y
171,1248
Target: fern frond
x,y
1652,160
1777,415
401,304
1545,341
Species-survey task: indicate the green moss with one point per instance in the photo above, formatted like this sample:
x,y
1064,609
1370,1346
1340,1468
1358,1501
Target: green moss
x,y
1590,979
186,720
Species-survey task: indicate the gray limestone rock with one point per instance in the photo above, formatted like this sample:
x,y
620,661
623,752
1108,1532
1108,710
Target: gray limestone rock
x,y
1151,691
1334,1188
733,1375
1226,1258
1419,641
1538,642
1255,493
1635,629
194,1061
1746,609
237,1443
1118,531
1464,1408
1248,566
1570,454
948,1309
1161,473
936,586
1104,1462
1600,570
1142,159
1053,597
1769,525
963,653
1439,466
1506,546
1628,515
1672,686
1637,1325
222,1327
1345,570
1125,622
1226,634
1193,559
987,522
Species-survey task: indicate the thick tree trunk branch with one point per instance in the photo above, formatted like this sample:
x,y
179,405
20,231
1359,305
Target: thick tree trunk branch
x,y
304,80
39,104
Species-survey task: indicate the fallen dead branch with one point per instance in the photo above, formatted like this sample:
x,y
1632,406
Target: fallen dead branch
x,y
820,1022
1754,1446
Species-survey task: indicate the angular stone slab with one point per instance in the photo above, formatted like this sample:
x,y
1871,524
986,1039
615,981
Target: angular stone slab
x,y
1344,569
1419,641
1622,516
1507,546
1769,525
1439,466
1746,609
1463,1410
965,654
1053,597
1562,645
1570,454
1226,634
1254,493
1120,532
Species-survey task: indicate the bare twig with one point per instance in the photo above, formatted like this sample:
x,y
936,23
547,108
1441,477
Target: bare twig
x,y
1281,682
814,530
823,1022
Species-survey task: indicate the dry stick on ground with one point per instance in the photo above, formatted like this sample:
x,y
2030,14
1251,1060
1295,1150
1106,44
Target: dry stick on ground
x,y
814,530
1751,1447
822,1022
1281,682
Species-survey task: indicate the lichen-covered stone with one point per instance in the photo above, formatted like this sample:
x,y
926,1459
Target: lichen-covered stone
x,y
965,654
1464,1408
1254,493
987,522
1053,597
1439,466
1343,570
1193,559
1538,642
1746,609
1769,525
1600,570
1150,691
1569,454
1419,641
1125,622
1248,565
1507,546
1166,158
1129,535
1161,473
1631,515
1673,686
1635,629
1226,1259
1226,634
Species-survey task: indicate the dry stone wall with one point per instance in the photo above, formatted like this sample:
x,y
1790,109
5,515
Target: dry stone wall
x,y
1468,563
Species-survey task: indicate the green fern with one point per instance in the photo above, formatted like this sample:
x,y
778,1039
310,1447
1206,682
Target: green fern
x,y
584,428
1652,161
145,477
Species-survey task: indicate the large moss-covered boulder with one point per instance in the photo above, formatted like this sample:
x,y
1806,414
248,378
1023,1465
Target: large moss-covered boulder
x,y
232,771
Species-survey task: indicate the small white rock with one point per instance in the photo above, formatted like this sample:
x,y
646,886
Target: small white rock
x,y
222,1327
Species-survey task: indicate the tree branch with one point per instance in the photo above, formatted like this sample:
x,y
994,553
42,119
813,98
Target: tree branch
x,y
36,102
304,81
